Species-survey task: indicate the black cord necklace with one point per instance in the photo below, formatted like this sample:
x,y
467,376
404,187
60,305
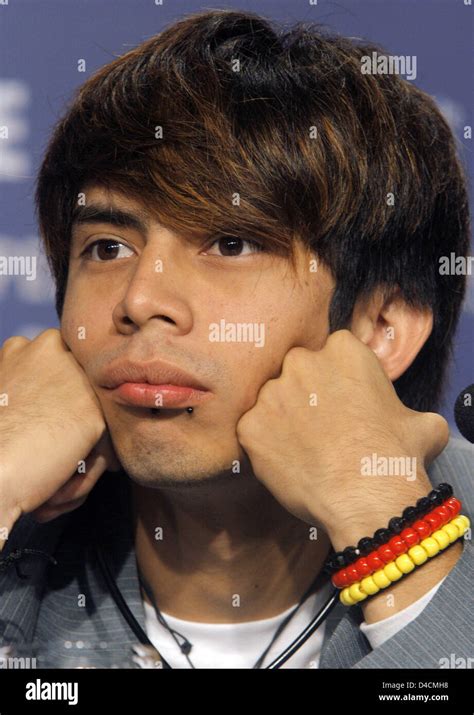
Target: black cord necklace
x,y
142,637
184,644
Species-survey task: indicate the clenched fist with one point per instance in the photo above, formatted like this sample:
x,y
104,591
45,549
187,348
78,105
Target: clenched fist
x,y
50,420
312,428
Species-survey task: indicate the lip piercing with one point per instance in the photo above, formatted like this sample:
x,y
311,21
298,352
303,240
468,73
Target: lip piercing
x,y
189,409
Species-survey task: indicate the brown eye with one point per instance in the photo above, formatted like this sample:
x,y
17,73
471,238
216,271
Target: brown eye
x,y
107,250
234,246
230,246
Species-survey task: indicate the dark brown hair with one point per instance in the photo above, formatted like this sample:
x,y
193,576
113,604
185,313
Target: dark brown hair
x,y
285,120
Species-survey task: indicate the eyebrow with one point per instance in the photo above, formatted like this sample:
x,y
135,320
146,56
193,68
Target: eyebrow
x,y
99,213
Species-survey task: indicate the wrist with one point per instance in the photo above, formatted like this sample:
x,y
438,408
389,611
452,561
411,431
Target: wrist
x,y
408,590
374,511
419,535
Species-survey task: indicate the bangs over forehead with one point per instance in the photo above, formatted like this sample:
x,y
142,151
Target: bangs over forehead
x,y
225,124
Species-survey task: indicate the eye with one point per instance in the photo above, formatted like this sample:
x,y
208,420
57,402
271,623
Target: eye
x,y
233,246
107,250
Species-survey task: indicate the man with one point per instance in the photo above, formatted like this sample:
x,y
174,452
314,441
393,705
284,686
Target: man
x,y
245,232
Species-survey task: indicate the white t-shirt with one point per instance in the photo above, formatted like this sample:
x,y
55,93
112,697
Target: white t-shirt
x,y
239,645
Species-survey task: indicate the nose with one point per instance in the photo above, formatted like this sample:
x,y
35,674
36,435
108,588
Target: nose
x,y
157,291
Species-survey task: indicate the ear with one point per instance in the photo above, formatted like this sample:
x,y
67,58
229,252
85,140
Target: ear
x,y
394,330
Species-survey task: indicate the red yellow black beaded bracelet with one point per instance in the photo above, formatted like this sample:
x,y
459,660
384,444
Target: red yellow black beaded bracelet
x,y
398,544
407,562
409,541
366,545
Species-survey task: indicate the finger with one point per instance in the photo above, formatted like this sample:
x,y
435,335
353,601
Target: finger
x,y
81,483
105,448
47,513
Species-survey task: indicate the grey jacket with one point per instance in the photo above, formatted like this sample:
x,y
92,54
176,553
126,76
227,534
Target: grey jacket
x,y
64,616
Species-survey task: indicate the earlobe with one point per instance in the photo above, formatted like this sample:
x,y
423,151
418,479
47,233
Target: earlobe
x,y
394,330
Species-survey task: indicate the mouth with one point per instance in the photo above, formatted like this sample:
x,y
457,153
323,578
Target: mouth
x,y
154,386
159,396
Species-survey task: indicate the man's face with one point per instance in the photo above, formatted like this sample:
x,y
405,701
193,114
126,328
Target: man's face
x,y
225,313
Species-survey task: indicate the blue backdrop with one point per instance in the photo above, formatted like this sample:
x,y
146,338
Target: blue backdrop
x,y
41,42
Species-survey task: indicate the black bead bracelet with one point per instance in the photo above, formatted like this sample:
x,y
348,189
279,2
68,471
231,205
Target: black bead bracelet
x,y
340,559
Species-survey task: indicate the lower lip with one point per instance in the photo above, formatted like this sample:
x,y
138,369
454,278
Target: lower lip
x,y
142,394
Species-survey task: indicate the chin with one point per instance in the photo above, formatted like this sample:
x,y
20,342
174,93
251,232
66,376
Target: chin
x,y
157,460
182,470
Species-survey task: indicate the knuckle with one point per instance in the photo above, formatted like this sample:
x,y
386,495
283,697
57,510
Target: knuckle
x,y
14,342
294,356
91,420
267,391
341,337
439,425
244,425
343,343
49,335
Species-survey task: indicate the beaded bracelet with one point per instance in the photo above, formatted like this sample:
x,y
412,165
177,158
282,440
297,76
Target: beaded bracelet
x,y
366,545
405,563
398,544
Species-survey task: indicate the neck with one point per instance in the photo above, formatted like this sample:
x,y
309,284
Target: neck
x,y
222,553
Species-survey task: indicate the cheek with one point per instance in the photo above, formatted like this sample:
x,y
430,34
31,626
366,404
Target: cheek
x,y
83,326
248,367
281,320
88,298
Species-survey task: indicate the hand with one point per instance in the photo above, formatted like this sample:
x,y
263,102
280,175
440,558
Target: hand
x,y
50,420
311,427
